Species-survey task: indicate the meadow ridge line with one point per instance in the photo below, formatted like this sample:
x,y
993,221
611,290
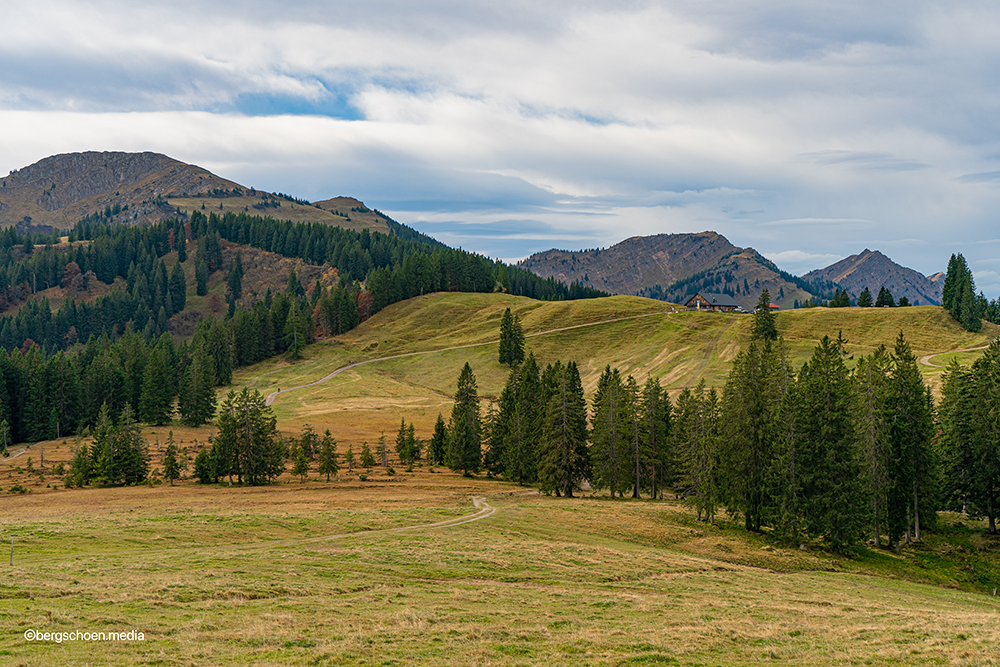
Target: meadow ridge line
x,y
483,510
273,395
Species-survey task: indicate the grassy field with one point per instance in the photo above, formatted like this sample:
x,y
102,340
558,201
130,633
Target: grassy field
x,y
378,571
642,337
251,576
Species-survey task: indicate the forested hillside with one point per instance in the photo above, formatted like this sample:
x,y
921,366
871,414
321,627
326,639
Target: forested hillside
x,y
60,367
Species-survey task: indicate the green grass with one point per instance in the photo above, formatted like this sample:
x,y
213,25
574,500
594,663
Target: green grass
x,y
642,337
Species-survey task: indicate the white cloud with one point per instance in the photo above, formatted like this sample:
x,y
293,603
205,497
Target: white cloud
x,y
806,127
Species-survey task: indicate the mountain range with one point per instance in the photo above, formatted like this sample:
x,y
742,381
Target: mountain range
x,y
673,267
144,188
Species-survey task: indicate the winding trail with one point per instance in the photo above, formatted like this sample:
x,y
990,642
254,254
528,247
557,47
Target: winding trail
x,y
273,395
926,359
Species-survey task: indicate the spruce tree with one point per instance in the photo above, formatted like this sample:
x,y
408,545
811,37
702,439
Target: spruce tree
x,y
328,456
865,299
828,472
563,458
367,457
171,465
201,275
157,390
436,452
197,395
695,438
518,423
235,280
750,423
609,427
884,298
300,465
655,429
870,382
402,446
463,448
912,493
764,327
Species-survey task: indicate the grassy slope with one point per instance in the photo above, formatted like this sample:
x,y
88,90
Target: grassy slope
x,y
679,348
287,211
242,576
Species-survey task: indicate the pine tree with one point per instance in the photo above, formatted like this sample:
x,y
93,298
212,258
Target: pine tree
x,y
884,298
912,490
695,437
436,451
871,423
511,339
171,465
563,458
764,327
349,458
367,457
157,390
300,466
518,424
328,456
178,288
463,448
865,299
610,446
235,280
197,395
402,445
828,472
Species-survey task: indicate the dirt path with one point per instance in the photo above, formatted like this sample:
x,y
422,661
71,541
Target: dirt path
x,y
926,359
273,395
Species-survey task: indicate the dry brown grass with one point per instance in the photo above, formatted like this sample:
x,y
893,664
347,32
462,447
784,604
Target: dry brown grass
x,y
243,576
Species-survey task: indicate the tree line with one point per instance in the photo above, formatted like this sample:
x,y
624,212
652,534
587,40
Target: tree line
x,y
822,452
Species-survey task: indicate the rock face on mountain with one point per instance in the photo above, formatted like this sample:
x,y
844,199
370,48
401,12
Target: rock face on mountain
x,y
635,263
874,270
672,267
61,189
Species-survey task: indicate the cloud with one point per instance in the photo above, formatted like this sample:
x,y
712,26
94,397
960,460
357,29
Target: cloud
x,y
798,262
800,127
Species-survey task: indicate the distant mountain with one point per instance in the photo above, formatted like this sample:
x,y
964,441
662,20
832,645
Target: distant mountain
x,y
60,190
874,270
673,267
145,188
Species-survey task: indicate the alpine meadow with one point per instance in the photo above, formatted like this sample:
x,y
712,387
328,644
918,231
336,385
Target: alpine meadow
x,y
324,438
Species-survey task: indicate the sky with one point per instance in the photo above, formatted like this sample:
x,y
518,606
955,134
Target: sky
x,y
806,130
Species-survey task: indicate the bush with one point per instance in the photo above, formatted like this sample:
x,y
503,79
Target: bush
x,y
363,477
390,471
17,488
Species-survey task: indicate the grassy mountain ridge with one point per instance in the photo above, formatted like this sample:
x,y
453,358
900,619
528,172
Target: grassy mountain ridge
x,y
640,336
